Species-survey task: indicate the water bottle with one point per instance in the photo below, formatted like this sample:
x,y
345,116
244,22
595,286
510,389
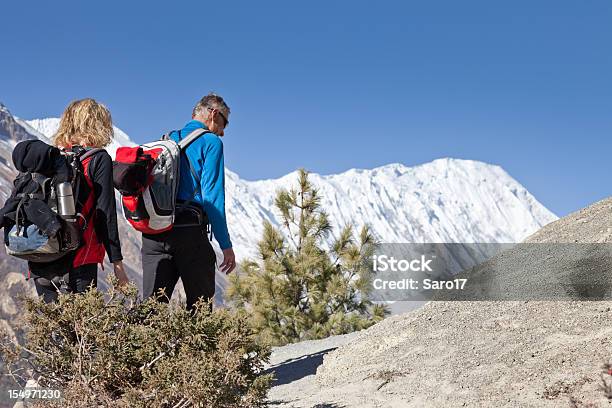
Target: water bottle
x,y
65,201
69,236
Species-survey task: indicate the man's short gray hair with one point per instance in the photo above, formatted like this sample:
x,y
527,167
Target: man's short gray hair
x,y
211,101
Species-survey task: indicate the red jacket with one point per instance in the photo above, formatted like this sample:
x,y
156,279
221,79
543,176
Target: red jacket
x,y
91,251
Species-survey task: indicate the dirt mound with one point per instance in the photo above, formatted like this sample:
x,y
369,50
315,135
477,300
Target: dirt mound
x,y
591,224
478,354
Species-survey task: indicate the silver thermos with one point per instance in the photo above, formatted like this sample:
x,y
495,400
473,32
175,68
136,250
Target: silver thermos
x,y
65,201
66,210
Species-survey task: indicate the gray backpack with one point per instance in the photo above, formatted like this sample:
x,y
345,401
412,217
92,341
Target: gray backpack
x,y
31,242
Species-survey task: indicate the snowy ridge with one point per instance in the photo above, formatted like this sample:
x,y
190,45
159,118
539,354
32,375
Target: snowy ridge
x,y
447,200
39,127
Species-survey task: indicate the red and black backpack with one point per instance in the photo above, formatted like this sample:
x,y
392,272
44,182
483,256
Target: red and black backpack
x,y
147,177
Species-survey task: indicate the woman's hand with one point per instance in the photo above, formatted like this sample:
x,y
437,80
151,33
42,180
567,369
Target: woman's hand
x,y
120,273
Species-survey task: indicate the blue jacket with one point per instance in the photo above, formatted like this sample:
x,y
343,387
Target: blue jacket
x,y
206,157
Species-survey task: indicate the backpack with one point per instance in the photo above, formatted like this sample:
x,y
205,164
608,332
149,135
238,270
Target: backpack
x,y
147,177
36,230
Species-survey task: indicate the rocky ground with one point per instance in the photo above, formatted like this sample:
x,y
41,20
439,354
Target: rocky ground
x,y
528,353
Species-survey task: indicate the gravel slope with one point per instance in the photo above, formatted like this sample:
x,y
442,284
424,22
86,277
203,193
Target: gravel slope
x,y
476,354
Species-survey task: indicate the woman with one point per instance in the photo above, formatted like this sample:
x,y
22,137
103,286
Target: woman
x,y
85,125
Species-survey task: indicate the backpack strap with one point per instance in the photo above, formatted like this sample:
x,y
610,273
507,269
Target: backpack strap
x,y
77,190
183,144
89,153
21,201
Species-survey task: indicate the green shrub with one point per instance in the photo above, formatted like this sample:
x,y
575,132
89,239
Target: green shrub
x,y
114,350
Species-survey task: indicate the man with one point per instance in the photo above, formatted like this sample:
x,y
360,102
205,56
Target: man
x,y
185,251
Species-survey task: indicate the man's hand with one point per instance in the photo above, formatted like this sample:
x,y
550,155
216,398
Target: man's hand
x,y
229,261
120,273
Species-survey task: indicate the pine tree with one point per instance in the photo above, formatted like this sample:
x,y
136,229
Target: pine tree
x,y
299,289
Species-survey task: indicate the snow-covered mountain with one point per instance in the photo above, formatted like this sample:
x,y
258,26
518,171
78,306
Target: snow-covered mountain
x,y
447,200
11,133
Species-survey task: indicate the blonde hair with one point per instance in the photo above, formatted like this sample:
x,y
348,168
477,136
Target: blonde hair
x,y
85,122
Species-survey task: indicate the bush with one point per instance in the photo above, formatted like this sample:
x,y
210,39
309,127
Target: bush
x,y
114,350
299,289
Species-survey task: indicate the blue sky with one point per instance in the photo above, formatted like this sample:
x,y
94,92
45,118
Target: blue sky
x,y
333,85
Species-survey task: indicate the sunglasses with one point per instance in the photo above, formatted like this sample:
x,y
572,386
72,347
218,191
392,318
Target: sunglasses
x,y
222,115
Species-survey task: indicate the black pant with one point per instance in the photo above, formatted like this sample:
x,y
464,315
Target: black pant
x,y
182,252
77,280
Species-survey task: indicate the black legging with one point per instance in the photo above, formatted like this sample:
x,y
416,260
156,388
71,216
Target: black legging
x,y
76,281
